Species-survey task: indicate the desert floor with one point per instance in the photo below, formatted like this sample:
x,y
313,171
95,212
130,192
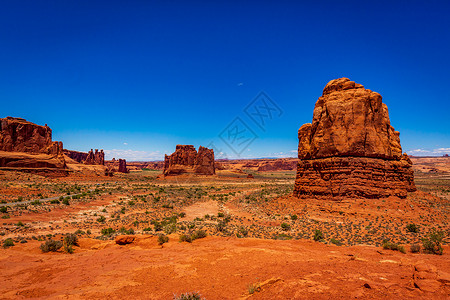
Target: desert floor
x,y
259,240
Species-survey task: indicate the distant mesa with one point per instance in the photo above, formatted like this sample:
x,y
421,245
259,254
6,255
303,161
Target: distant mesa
x,y
350,148
281,164
89,158
186,159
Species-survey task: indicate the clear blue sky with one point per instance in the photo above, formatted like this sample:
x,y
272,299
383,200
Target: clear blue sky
x,y
138,77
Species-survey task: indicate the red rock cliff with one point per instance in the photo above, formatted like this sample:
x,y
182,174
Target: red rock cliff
x,y
19,135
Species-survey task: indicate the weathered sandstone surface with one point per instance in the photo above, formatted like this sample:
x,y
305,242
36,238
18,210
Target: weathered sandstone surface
x,y
186,159
26,145
350,148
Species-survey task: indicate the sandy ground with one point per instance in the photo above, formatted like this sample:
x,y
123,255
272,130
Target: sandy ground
x,y
217,268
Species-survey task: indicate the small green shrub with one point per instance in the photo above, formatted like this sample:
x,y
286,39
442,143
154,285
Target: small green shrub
x,y
51,246
4,209
199,234
432,244
8,243
318,235
415,248
294,217
162,239
285,226
101,219
66,201
336,242
252,288
107,231
393,246
412,228
71,239
188,296
186,238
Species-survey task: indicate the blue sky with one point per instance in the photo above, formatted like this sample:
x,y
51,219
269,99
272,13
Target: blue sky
x,y
138,77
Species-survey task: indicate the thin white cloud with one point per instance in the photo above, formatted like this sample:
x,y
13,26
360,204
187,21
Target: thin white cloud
x,y
125,143
426,152
133,155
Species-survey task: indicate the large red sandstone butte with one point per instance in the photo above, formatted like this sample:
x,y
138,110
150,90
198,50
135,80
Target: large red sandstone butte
x,y
186,159
19,135
26,145
350,148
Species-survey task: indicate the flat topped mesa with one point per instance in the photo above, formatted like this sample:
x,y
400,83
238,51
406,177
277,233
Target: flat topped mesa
x,y
19,135
186,159
350,148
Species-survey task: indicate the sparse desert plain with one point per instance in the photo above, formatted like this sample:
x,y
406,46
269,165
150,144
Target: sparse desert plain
x,y
229,237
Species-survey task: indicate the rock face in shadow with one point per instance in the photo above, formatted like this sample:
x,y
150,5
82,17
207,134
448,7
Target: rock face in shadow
x,y
76,155
186,159
89,158
350,148
123,166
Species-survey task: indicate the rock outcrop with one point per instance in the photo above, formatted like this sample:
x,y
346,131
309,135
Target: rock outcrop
x,y
95,158
123,166
79,157
26,146
87,158
350,148
19,135
186,159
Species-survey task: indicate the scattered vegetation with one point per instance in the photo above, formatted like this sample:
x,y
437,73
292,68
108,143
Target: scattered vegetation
x,y
51,246
8,243
393,246
188,296
162,239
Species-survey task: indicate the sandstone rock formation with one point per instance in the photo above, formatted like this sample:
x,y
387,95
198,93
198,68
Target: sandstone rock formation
x,y
95,158
123,166
76,155
19,135
186,159
89,158
350,148
25,145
